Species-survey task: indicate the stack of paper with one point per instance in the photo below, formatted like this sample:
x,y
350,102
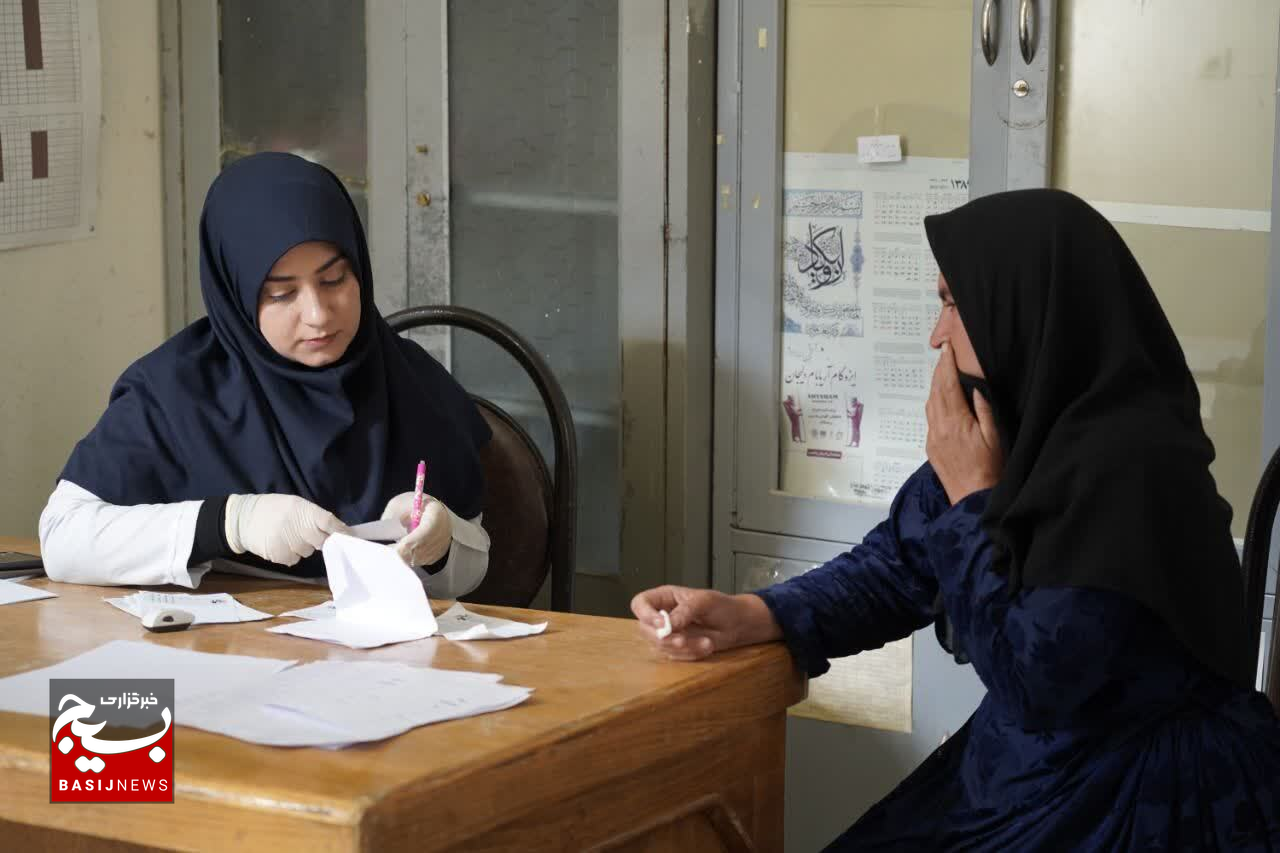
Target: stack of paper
x,y
12,592
207,609
335,703
194,674
274,702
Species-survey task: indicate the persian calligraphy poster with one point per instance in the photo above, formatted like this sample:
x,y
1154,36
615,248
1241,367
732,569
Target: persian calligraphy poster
x,y
859,300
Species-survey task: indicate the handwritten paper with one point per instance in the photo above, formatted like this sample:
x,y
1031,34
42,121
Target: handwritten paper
x,y
335,703
377,598
218,608
459,623
12,592
880,149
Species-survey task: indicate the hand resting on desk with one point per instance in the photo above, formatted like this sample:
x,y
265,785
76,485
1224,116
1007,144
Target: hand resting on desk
x,y
703,621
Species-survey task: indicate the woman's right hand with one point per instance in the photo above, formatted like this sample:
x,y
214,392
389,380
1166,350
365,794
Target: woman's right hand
x,y
279,528
703,621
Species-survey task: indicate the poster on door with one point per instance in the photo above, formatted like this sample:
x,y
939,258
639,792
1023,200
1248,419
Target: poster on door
x,y
859,299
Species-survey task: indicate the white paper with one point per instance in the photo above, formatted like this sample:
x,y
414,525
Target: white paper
x,y
274,702
325,610
243,716
353,635
456,623
334,703
195,674
871,689
880,149
50,99
859,288
459,623
386,530
12,592
664,630
377,598
219,608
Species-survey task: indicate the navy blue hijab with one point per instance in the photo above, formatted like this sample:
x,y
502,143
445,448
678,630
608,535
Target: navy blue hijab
x,y
215,410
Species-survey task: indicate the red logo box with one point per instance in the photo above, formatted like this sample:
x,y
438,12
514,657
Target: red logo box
x,y
110,740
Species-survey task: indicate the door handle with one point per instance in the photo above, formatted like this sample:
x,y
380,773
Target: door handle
x,y
1027,21
990,30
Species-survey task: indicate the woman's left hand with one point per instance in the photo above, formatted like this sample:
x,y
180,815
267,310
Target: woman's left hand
x,y
964,450
431,539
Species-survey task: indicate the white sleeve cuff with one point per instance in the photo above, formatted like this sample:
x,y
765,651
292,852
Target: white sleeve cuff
x,y
467,564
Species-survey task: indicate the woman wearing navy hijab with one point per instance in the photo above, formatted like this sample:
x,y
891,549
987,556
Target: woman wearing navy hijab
x,y
289,412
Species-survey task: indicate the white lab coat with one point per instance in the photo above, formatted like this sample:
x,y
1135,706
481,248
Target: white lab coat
x,y
84,539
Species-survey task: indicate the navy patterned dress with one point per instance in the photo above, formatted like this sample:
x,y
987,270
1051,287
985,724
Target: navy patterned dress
x,y
1097,731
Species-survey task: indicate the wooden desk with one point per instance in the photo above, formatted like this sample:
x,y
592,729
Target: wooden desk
x,y
616,749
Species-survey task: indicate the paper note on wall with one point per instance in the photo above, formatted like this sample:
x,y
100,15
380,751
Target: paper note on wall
x,y
880,149
871,689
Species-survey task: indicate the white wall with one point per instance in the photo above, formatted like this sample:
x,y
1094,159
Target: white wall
x,y
74,315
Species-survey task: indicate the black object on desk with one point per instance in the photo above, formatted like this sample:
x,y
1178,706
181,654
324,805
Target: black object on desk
x,y
17,564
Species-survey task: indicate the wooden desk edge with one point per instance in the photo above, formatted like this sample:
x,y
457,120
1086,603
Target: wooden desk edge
x,y
666,723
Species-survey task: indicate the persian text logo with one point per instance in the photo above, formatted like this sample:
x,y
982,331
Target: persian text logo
x,y
111,740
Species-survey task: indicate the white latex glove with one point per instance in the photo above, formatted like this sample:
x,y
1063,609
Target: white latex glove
x,y
431,540
280,528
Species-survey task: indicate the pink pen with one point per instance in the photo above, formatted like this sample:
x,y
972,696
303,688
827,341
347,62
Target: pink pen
x,y
421,481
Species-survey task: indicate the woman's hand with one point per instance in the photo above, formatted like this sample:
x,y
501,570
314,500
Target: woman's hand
x,y
703,621
965,451
431,540
280,528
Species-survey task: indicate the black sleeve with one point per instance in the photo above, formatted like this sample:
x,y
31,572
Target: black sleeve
x,y
440,563
210,541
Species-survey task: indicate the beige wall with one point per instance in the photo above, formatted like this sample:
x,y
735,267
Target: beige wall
x,y
1173,104
845,75
74,315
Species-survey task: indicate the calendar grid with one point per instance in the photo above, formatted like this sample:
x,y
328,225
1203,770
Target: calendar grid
x,y
30,204
42,126
58,81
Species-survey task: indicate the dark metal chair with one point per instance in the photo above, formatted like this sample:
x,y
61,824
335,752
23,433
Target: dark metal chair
x,y
1257,554
531,518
